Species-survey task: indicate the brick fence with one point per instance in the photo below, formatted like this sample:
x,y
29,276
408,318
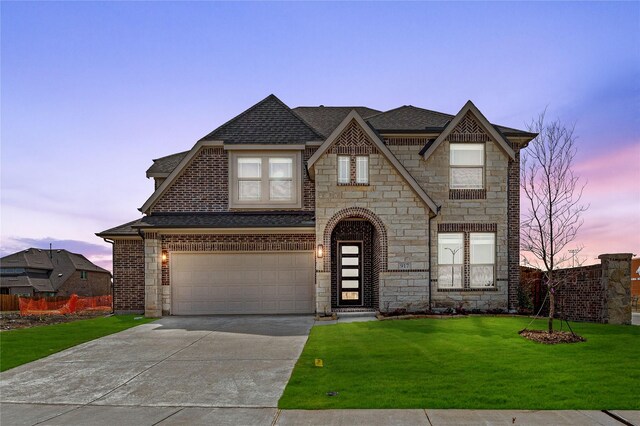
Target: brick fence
x,y
595,293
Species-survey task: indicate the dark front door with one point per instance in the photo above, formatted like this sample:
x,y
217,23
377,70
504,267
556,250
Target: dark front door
x,y
350,273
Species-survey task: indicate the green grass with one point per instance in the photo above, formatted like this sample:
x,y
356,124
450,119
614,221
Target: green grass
x,y
474,362
18,347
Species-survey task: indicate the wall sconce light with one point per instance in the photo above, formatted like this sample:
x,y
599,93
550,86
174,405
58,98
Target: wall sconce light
x,y
320,251
164,257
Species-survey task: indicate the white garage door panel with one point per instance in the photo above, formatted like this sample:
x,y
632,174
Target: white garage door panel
x,y
242,283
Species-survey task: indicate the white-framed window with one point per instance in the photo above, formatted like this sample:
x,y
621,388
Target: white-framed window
x,y
84,275
482,251
259,180
344,169
450,259
362,169
466,165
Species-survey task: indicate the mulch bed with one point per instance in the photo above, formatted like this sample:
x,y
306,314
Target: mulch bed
x,y
554,338
13,320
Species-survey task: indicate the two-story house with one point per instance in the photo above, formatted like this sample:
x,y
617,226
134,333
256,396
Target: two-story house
x,y
325,209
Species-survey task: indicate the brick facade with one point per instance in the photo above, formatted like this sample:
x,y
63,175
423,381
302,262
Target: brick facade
x,y
96,284
128,276
596,293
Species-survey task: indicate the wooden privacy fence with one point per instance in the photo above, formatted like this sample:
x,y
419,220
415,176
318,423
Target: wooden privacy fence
x,y
9,302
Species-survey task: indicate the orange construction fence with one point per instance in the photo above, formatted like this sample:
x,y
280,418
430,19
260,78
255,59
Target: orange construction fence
x,y
58,306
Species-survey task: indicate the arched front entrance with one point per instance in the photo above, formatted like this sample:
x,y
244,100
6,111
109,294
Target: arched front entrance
x,y
357,252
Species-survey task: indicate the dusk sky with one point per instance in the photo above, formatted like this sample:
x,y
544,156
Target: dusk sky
x,y
92,92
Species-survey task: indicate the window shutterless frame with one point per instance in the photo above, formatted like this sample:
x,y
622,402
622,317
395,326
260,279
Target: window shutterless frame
x,y
466,165
275,180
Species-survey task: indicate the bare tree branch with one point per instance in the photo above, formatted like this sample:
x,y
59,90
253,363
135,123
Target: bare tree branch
x,y
553,192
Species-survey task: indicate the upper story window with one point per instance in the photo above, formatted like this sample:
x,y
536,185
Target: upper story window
x,y
84,275
265,180
353,170
466,162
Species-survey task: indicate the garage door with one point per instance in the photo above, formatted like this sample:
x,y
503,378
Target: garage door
x,y
242,283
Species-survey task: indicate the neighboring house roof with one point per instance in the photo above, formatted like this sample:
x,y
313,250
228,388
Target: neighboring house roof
x,y
58,264
353,115
222,220
164,165
326,119
269,121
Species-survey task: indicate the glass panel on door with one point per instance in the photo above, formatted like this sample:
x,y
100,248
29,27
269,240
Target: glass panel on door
x,y
350,273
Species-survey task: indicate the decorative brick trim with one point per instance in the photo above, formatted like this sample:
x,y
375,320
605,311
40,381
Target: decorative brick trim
x,y
248,246
468,130
353,150
353,141
467,194
465,289
150,235
467,227
406,141
513,229
356,212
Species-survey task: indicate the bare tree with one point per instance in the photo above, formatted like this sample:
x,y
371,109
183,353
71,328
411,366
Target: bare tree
x,y
552,194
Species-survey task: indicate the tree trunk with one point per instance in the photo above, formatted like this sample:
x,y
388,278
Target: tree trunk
x,y
552,309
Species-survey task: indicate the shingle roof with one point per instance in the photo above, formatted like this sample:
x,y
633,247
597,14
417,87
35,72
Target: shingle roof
x,y
124,230
61,264
410,118
293,219
165,165
326,119
269,121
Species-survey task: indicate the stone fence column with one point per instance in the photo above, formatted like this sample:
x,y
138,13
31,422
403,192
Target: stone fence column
x,y
616,283
152,276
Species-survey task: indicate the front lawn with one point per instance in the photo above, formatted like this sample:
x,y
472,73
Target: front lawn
x,y
18,347
474,362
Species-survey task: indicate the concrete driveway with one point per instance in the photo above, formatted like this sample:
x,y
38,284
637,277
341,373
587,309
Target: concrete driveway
x,y
222,366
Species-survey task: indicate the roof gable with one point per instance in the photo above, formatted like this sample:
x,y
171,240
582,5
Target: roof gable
x,y
269,121
469,125
347,124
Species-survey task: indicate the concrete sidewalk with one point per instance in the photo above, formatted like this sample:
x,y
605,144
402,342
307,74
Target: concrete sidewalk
x,y
55,414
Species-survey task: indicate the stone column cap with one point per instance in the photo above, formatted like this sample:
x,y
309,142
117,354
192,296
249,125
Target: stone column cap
x,y
616,256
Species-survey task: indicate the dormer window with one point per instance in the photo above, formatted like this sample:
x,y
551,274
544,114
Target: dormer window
x,y
265,180
466,161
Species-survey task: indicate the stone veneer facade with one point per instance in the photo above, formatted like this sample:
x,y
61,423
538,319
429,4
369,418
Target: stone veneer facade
x,y
493,209
400,219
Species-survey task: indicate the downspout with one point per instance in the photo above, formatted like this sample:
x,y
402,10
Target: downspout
x,y
113,310
430,263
